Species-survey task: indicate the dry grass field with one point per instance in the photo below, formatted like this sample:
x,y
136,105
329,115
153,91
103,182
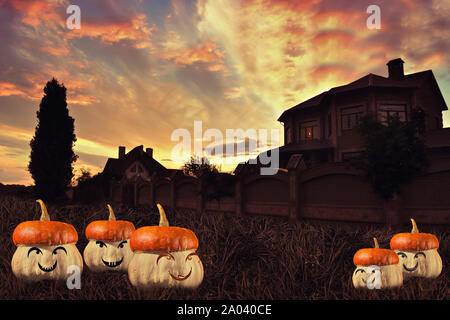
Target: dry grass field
x,y
250,257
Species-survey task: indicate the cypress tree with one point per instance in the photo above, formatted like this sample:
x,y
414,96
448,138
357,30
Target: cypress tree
x,y
52,154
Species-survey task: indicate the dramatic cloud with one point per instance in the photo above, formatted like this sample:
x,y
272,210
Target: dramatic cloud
x,y
138,70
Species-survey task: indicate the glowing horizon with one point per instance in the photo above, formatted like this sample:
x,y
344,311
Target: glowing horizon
x,y
138,70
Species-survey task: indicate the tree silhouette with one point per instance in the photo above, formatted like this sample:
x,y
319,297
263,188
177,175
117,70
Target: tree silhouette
x,y
52,153
394,152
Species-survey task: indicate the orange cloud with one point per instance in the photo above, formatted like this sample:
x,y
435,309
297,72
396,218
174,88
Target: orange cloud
x,y
134,29
9,89
183,55
36,12
61,51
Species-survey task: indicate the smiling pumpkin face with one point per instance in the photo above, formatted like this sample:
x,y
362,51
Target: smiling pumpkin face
x,y
108,248
45,249
417,252
165,256
376,268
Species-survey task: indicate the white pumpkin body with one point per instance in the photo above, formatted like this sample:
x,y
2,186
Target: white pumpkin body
x,y
42,262
424,263
390,276
108,255
159,269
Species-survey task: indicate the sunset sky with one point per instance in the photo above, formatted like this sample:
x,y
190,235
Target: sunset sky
x,y
138,70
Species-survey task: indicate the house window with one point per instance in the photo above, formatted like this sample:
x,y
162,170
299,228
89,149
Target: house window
x,y
288,135
350,117
386,111
309,130
329,124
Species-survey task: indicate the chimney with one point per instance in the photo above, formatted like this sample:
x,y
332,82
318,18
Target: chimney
x,y
121,152
149,151
395,68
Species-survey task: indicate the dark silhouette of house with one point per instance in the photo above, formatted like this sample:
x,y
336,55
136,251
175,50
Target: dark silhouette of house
x,y
125,173
136,164
322,128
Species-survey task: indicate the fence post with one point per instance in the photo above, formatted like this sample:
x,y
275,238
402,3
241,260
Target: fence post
x,y
293,195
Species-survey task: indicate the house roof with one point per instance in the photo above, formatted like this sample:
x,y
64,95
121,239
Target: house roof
x,y
116,167
371,80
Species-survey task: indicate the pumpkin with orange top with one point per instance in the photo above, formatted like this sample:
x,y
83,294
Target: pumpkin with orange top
x,y
109,244
165,256
370,261
45,249
418,255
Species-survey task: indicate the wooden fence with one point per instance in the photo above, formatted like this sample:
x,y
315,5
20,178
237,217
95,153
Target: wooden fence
x,y
331,191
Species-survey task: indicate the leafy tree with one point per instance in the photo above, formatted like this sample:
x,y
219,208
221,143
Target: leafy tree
x,y
85,175
52,155
198,166
393,153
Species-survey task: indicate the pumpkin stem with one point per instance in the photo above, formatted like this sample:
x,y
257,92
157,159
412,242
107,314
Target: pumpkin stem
x,y
44,212
414,228
376,245
112,217
163,222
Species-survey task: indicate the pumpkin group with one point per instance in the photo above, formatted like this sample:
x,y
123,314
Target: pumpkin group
x,y
109,244
165,256
417,252
369,261
45,249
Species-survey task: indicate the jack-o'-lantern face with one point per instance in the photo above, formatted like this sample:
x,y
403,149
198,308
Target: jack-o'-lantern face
x,y
165,256
41,262
376,268
417,252
45,249
108,248
166,269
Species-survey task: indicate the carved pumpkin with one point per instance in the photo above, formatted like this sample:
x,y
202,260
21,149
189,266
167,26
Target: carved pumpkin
x,y
165,256
45,249
372,260
418,253
109,244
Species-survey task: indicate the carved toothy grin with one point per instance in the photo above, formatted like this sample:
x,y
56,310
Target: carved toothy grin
x,y
411,269
180,277
112,264
47,269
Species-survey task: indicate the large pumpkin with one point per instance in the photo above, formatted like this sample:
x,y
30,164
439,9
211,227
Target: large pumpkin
x,y
418,253
370,261
45,249
165,256
109,244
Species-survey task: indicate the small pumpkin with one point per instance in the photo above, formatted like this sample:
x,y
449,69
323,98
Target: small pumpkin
x,y
109,244
418,253
368,261
45,249
165,256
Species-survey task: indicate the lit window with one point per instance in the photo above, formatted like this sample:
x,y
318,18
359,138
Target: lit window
x,y
309,130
